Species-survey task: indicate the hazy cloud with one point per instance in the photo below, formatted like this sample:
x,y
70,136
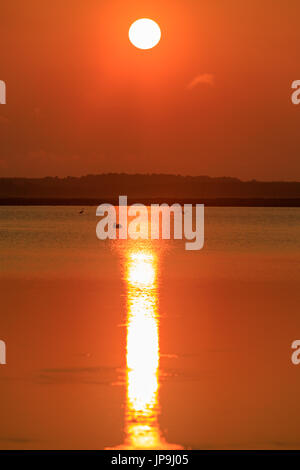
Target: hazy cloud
x,y
204,78
84,375
16,440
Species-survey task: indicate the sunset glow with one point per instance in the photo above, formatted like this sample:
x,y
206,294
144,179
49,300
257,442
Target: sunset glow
x,y
150,229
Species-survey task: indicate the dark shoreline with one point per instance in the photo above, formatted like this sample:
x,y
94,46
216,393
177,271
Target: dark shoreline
x,y
218,202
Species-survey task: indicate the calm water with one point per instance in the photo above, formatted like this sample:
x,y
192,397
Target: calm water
x,y
142,345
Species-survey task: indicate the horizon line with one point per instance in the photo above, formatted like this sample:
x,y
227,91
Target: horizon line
x,y
234,178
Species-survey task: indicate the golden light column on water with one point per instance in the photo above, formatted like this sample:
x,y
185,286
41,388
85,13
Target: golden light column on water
x,y
142,354
142,409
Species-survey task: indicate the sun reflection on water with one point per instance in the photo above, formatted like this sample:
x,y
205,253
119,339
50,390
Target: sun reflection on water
x,y
142,350
141,260
142,429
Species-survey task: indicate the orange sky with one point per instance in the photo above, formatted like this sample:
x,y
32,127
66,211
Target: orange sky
x,y
213,98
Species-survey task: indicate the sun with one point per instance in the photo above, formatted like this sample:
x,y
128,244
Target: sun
x,y
144,33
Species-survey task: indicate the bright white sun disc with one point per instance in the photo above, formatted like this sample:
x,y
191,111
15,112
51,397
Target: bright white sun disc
x,y
144,33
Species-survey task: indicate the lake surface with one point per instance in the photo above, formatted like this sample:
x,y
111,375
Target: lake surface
x,y
143,344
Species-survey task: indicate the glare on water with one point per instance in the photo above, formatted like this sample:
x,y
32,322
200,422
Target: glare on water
x,y
142,429
142,350
141,261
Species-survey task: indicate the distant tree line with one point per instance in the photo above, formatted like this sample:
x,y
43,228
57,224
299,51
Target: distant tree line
x,y
139,186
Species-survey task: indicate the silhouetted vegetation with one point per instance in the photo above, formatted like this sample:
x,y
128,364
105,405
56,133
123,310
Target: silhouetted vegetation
x,y
95,188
